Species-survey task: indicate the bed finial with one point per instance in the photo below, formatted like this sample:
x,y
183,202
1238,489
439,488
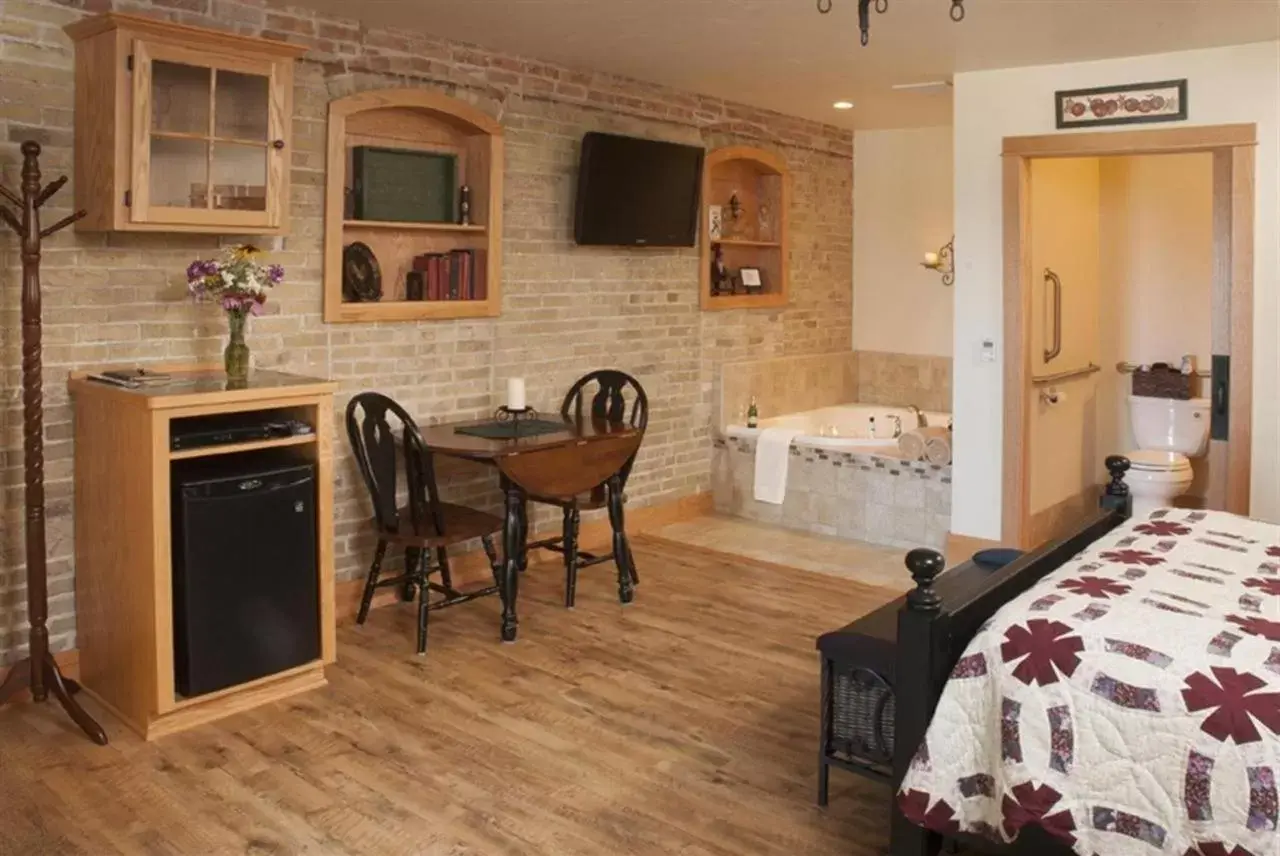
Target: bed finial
x,y
1116,495
925,566
1117,465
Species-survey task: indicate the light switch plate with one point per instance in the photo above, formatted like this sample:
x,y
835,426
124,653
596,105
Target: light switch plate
x,y
988,351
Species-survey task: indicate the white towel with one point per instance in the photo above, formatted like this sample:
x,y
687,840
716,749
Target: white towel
x,y
937,450
773,450
911,445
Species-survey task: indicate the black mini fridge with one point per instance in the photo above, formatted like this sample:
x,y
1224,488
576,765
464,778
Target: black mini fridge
x,y
246,599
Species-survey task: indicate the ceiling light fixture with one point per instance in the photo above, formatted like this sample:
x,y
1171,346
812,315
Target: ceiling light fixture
x,y
843,105
864,13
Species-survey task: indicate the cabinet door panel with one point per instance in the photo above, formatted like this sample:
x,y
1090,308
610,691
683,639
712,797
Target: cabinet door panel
x,y
241,106
179,174
180,97
202,134
239,176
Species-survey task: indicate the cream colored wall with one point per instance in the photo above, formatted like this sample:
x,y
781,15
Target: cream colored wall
x,y
902,208
1065,236
1157,279
1240,83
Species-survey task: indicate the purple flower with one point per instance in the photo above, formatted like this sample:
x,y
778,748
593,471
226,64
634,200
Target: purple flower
x,y
275,274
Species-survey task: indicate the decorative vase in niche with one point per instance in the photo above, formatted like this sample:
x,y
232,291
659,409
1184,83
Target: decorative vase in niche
x,y
236,356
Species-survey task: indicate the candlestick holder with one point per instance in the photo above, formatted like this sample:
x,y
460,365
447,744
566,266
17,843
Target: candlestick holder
x,y
515,415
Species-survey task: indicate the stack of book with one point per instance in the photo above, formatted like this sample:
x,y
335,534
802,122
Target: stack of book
x,y
456,275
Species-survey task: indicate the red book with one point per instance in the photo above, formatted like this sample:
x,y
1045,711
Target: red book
x,y
480,274
433,277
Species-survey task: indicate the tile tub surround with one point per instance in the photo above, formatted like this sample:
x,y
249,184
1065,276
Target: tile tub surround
x,y
876,498
566,309
902,379
785,385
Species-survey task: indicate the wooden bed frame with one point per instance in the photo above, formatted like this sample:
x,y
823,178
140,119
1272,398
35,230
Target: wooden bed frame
x,y
935,627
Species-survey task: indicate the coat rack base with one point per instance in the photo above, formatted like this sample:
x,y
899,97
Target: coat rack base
x,y
63,690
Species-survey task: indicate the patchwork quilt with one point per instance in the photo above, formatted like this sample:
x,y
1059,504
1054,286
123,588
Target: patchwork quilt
x,y
1129,703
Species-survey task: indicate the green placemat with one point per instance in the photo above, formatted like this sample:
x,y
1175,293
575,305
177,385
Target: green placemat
x,y
496,430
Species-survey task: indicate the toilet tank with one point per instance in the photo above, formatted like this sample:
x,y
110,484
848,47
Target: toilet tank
x,y
1170,425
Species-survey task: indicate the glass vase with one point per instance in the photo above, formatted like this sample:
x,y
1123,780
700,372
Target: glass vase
x,y
235,358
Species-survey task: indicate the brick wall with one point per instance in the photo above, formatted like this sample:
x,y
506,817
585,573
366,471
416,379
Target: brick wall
x,y
120,298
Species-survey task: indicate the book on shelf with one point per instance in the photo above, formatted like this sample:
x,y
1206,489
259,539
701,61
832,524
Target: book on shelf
x,y
455,275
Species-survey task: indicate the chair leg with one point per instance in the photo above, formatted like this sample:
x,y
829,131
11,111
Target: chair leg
x,y
371,582
442,558
424,592
410,587
631,565
491,552
570,535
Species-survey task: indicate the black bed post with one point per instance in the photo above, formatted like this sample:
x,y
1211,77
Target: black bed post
x,y
1116,494
919,675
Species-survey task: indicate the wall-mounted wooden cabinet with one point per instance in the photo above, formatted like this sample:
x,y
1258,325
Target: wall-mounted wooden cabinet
x,y
752,190
414,121
180,129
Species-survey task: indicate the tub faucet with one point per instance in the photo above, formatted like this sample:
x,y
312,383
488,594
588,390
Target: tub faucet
x,y
916,410
897,425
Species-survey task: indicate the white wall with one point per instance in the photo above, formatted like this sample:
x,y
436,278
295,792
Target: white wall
x,y
1226,85
1157,280
902,208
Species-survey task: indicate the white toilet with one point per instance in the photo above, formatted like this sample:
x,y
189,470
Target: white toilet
x,y
1168,433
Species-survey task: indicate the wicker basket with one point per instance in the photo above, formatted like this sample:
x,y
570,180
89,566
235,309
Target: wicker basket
x,y
862,709
1162,381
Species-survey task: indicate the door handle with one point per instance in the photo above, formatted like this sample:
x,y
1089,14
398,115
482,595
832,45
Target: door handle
x,y
1051,278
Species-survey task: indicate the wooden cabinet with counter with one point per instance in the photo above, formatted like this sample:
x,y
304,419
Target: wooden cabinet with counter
x,y
125,536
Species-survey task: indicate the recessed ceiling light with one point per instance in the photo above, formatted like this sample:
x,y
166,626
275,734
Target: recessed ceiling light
x,y
843,105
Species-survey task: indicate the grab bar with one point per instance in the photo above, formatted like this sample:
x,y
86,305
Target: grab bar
x,y
1052,278
1067,375
1130,368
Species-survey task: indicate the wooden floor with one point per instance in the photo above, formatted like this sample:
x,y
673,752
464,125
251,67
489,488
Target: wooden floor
x,y
685,723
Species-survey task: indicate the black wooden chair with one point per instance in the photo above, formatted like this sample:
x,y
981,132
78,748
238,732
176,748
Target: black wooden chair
x,y
607,391
424,526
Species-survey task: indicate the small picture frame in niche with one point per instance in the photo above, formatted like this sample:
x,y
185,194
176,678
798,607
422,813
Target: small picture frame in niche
x,y
750,280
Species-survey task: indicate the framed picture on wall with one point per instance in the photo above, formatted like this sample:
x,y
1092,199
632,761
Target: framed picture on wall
x,y
1128,104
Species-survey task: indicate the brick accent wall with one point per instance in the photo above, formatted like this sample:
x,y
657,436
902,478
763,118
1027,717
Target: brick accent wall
x,y
121,298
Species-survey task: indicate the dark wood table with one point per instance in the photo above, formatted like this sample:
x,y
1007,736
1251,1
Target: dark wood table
x,y
585,456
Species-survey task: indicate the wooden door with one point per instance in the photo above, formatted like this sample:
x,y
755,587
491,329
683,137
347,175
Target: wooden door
x,y
209,138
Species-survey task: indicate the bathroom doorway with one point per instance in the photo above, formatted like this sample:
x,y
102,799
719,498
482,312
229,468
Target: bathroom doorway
x,y
1122,249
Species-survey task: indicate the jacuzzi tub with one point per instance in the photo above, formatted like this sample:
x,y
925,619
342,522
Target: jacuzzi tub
x,y
847,426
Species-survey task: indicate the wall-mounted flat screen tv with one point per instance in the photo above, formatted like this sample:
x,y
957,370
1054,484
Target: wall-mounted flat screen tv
x,y
635,192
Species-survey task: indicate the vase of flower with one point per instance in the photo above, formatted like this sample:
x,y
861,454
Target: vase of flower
x,y
237,281
235,357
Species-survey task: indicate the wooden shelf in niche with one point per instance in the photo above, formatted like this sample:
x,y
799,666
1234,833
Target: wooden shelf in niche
x,y
421,120
759,179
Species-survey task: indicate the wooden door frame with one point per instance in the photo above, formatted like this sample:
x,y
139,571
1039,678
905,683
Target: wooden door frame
x,y
1232,147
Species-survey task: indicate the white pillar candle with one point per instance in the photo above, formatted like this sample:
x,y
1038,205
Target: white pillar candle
x,y
515,393
930,258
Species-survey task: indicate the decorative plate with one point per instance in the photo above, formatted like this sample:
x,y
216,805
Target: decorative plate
x,y
361,276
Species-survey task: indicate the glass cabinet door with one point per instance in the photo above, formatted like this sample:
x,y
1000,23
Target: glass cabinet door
x,y
210,137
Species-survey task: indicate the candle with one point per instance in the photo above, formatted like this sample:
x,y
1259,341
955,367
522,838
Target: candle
x,y
515,393
930,259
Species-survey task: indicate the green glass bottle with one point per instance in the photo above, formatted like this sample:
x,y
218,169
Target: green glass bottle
x,y
753,414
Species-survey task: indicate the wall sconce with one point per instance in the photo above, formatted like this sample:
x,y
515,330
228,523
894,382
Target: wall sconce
x,y
943,261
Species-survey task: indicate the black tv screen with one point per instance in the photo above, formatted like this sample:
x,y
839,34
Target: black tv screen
x,y
634,192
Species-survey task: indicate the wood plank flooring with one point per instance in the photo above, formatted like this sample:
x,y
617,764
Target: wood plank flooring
x,y
685,723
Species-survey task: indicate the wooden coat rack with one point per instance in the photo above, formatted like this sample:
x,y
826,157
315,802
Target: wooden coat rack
x,y
38,672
